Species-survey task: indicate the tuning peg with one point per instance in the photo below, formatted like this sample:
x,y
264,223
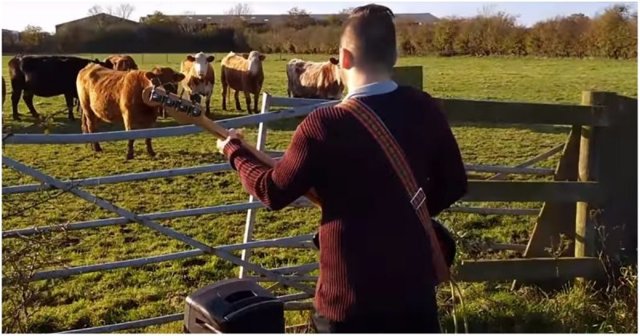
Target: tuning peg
x,y
156,96
196,111
196,98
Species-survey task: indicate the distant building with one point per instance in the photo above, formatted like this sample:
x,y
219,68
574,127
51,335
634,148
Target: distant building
x,y
203,21
95,21
10,36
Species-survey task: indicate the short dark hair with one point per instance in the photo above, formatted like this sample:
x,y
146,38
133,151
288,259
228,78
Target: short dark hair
x,y
370,32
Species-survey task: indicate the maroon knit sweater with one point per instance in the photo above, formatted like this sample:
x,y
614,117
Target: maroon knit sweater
x,y
374,255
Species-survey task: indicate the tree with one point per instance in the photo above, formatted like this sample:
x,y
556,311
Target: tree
x,y
346,11
186,26
159,19
239,9
94,10
31,36
298,18
124,10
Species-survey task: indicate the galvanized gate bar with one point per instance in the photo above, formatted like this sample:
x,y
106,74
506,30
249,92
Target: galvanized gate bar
x,y
165,230
123,220
251,213
286,242
157,132
156,215
532,161
102,180
62,273
104,204
291,305
128,325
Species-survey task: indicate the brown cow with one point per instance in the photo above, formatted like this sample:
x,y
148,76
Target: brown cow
x,y
122,62
116,96
314,79
199,76
242,73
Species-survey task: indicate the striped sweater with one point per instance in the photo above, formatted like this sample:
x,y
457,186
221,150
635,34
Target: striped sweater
x,y
374,255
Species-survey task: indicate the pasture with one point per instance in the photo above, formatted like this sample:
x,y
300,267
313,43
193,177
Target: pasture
x,y
136,293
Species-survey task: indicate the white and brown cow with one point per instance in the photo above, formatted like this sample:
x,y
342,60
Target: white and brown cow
x,y
199,76
320,80
242,72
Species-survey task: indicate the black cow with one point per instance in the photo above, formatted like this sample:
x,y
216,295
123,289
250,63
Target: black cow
x,y
46,76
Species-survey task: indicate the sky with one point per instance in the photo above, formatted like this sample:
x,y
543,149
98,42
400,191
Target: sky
x,y
17,14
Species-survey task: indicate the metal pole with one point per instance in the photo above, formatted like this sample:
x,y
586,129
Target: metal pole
x,y
251,213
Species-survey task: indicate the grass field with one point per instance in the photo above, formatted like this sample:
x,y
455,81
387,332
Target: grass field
x,y
129,294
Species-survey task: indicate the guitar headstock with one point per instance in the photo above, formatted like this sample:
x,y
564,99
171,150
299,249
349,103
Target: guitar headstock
x,y
171,101
182,110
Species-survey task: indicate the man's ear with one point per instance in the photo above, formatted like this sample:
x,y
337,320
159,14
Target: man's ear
x,y
190,58
346,59
177,77
210,58
262,57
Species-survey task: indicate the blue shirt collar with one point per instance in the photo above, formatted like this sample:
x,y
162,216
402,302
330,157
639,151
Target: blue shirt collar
x,y
372,89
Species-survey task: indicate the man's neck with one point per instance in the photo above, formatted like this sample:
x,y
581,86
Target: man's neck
x,y
361,79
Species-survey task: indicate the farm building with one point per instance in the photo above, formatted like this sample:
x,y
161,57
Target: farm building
x,y
94,21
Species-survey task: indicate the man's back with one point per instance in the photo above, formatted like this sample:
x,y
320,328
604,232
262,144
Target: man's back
x,y
369,232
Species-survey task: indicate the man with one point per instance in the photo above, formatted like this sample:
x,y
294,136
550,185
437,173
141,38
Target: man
x,y
376,272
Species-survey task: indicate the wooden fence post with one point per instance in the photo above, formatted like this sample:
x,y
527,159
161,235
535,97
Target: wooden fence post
x,y
617,226
251,213
587,171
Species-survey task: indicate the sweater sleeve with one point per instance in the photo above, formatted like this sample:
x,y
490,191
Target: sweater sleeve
x,y
448,180
289,179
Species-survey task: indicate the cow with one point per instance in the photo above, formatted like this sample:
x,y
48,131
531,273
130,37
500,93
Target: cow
x,y
242,73
199,77
116,96
321,80
122,62
46,76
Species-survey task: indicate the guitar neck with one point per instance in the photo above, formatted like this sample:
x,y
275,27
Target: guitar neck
x,y
222,133
213,128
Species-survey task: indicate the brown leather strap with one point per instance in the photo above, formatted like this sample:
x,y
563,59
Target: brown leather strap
x,y
398,161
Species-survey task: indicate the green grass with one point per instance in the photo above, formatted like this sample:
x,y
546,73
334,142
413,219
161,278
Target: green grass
x,y
135,293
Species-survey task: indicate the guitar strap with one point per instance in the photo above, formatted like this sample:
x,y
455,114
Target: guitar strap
x,y
396,157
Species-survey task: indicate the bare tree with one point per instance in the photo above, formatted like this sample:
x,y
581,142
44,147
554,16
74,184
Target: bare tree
x,y
124,10
346,11
239,9
95,10
185,25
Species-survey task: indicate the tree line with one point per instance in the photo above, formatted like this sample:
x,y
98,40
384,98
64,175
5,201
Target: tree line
x,y
612,34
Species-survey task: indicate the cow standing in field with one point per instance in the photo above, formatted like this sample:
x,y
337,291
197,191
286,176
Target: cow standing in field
x,y
321,80
122,62
242,73
45,76
199,77
116,96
